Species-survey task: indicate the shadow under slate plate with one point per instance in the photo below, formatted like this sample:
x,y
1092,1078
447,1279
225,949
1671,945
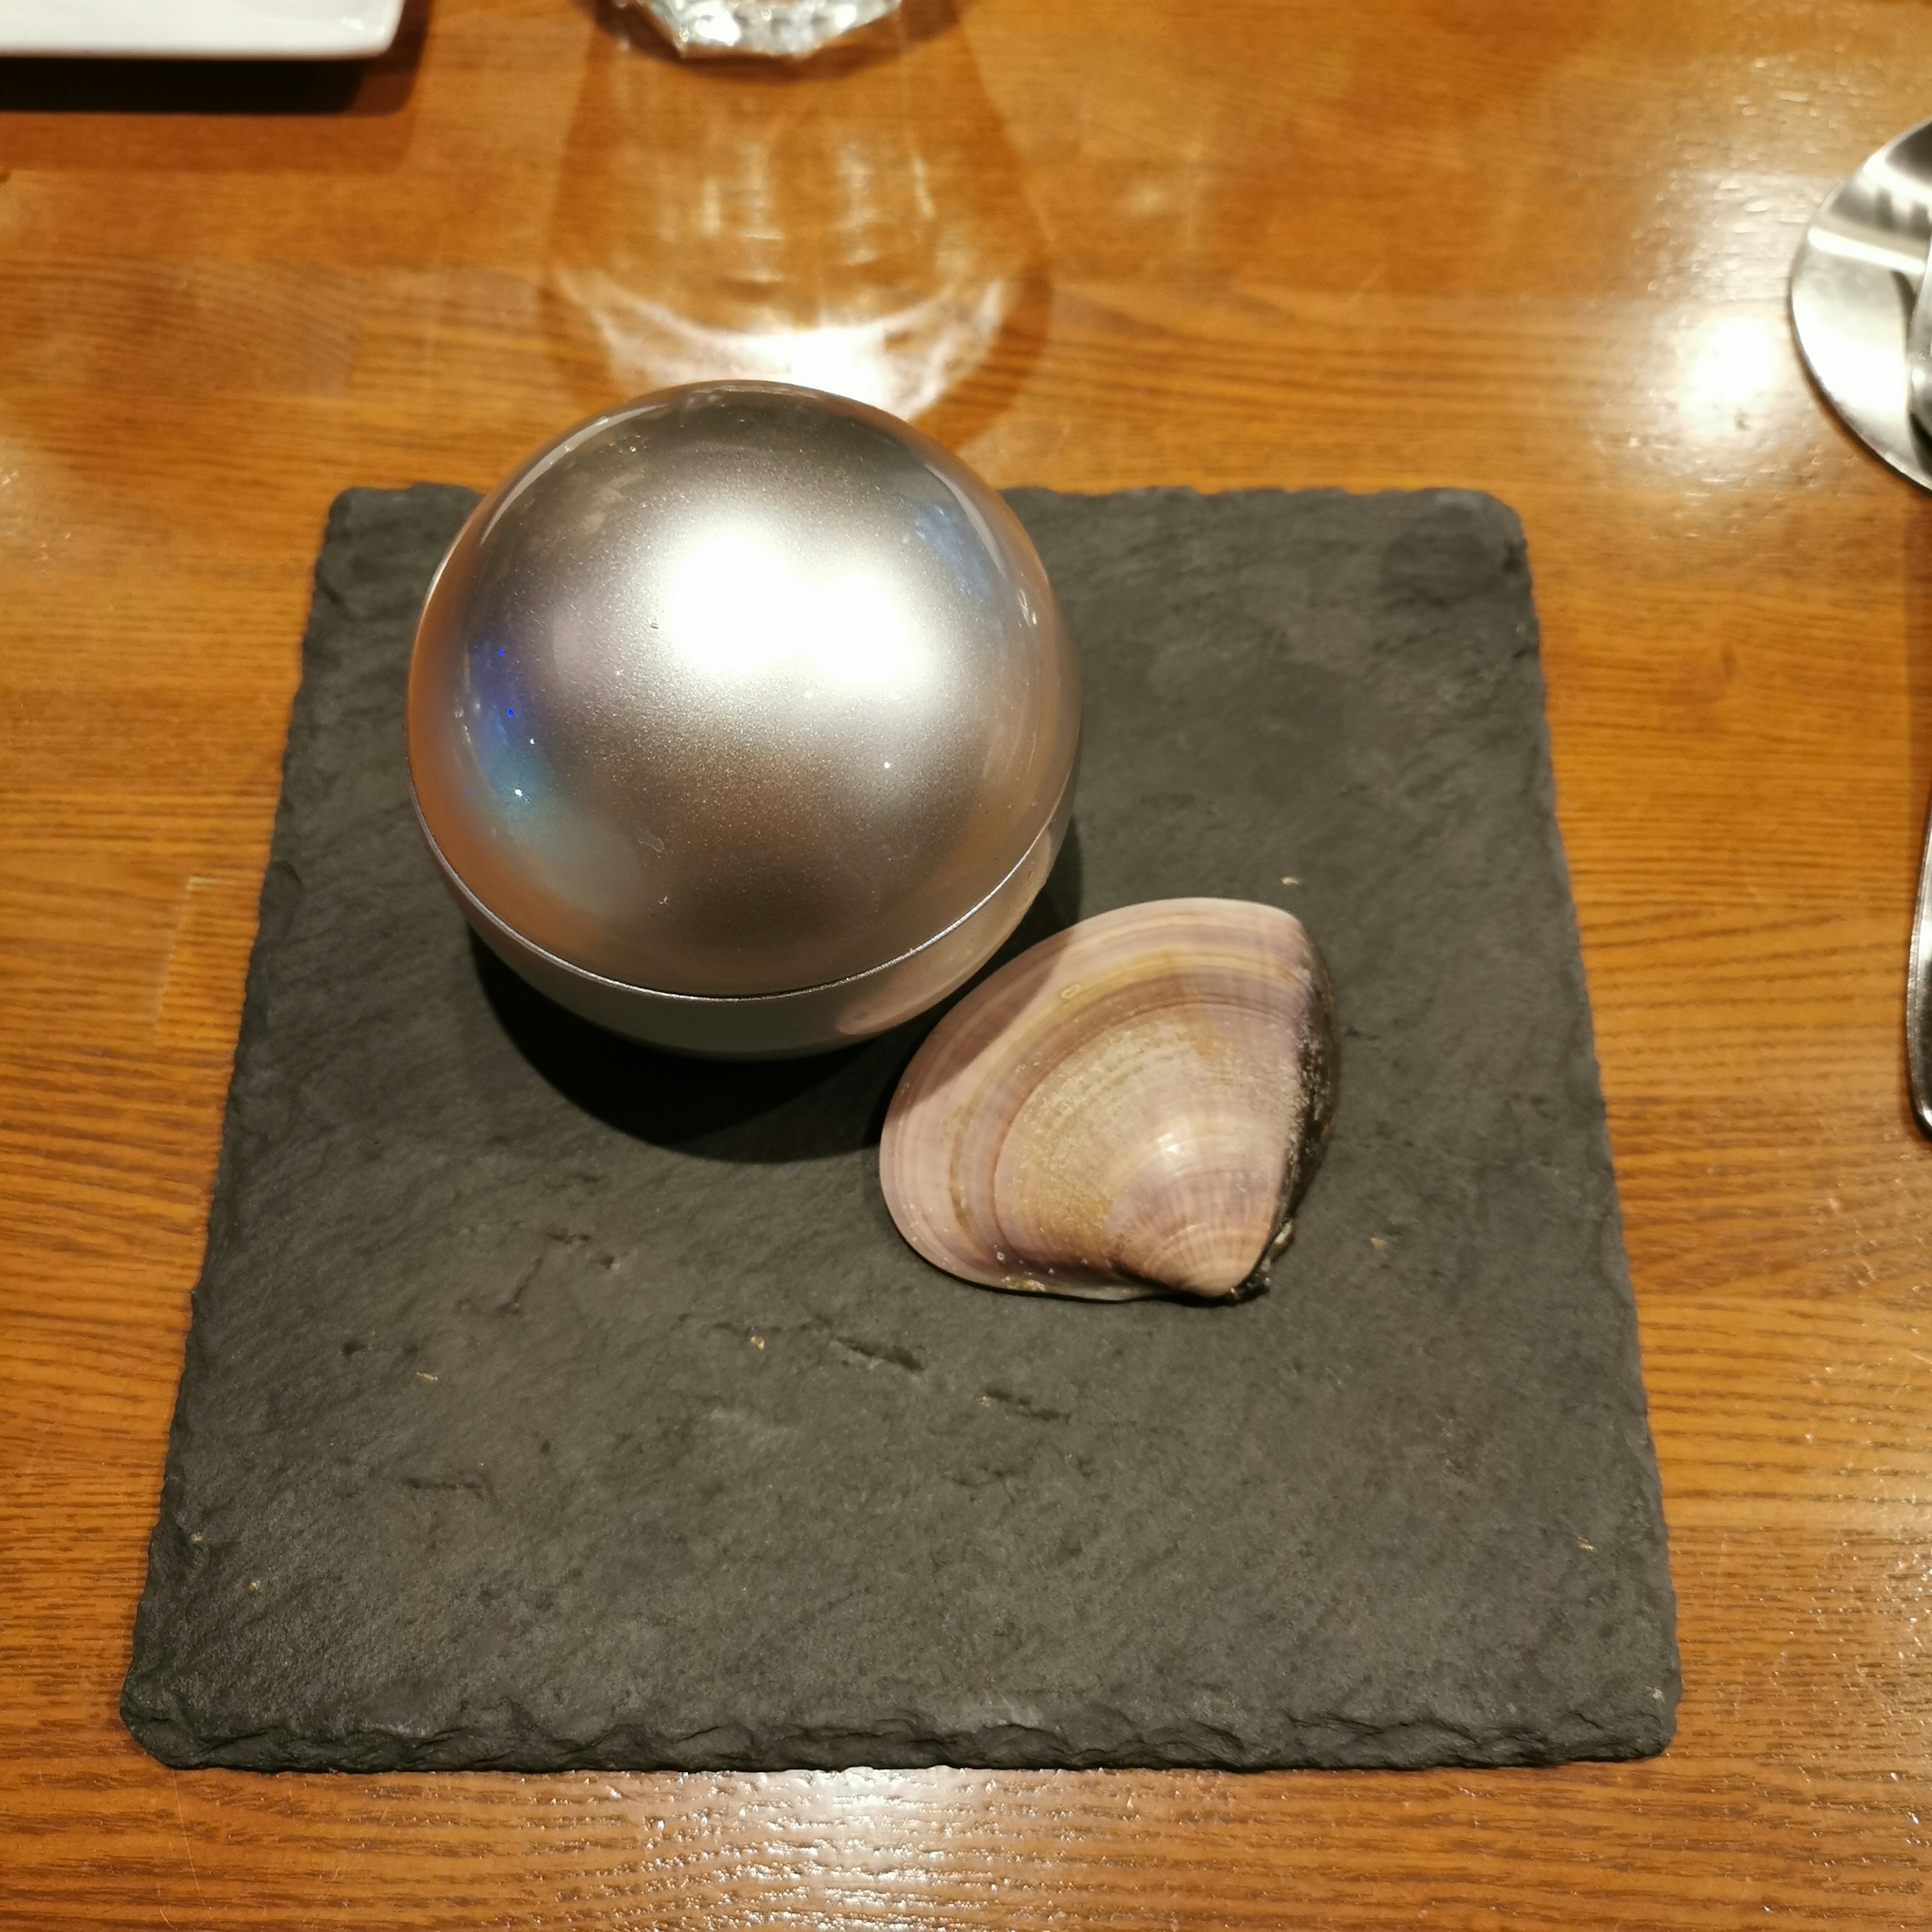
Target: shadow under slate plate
x,y
549,1403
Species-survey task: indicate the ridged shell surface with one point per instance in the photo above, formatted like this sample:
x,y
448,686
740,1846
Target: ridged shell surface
x,y
1132,1107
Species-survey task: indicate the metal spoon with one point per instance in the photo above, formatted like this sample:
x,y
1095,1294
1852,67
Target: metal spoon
x,y
1861,306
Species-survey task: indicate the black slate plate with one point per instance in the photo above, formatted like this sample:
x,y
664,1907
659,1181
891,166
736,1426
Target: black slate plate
x,y
548,1401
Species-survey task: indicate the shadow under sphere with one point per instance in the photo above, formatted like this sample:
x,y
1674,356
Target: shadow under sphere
x,y
752,1111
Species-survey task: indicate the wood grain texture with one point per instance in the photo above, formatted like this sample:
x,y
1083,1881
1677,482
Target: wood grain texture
x,y
1535,249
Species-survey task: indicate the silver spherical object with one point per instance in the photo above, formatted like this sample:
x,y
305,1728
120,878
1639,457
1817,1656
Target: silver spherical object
x,y
742,720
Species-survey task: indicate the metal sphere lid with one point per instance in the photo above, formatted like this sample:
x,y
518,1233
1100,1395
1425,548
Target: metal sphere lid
x,y
739,690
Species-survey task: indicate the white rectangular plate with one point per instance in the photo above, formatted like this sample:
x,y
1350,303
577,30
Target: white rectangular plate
x,y
201,29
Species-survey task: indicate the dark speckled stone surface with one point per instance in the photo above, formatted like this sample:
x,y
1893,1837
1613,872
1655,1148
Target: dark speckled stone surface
x,y
550,1402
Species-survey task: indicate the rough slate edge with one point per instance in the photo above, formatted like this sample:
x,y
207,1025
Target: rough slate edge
x,y
159,1710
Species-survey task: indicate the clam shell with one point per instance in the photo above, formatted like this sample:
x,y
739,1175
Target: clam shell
x,y
1132,1107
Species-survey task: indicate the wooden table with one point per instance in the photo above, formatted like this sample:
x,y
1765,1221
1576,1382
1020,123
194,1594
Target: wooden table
x,y
1533,248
